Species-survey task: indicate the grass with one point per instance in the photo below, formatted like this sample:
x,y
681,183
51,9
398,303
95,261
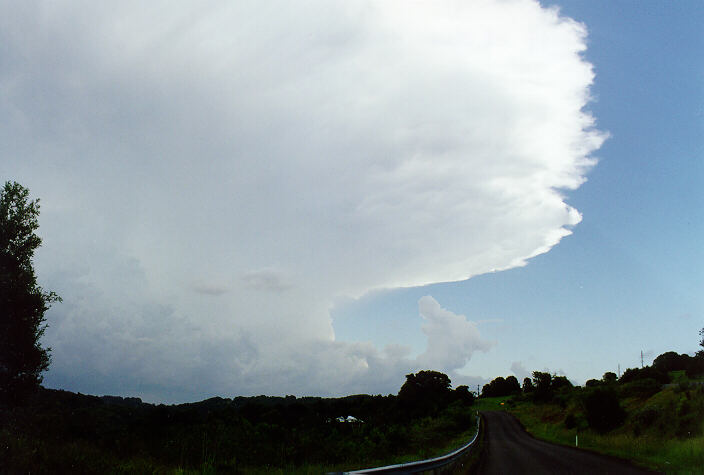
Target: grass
x,y
435,450
655,447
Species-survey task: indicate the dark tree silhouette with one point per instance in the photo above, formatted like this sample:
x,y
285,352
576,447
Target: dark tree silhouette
x,y
22,301
462,393
609,377
603,409
542,382
425,391
501,387
700,353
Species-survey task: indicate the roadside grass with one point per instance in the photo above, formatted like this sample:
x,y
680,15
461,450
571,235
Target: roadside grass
x,y
428,438
656,446
437,446
500,403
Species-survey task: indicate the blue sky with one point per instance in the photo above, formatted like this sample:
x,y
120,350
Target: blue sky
x,y
244,198
630,278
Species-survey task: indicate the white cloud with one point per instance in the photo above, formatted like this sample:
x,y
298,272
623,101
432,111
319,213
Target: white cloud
x,y
281,157
520,371
267,280
451,338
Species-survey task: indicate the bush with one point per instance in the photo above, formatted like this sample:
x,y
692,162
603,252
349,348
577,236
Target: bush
x,y
603,410
640,388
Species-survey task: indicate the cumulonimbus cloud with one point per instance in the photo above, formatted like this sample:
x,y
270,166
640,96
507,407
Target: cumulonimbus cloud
x,y
347,146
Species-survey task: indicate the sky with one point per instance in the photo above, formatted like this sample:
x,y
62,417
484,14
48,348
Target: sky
x,y
260,198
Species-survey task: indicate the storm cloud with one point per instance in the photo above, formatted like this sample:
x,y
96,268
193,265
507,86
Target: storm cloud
x,y
214,175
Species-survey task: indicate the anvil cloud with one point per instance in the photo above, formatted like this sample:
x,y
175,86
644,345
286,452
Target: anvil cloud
x,y
214,175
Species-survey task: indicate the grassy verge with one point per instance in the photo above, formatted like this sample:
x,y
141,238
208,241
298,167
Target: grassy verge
x,y
654,449
441,446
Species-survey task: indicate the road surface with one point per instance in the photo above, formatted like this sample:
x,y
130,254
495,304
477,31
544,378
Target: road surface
x,y
509,449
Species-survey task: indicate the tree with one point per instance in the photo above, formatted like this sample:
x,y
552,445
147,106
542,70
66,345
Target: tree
x,y
542,382
462,393
528,385
426,391
512,385
501,387
700,353
609,377
22,302
559,382
603,409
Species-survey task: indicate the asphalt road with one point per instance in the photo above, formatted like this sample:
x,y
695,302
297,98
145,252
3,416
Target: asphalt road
x,y
509,449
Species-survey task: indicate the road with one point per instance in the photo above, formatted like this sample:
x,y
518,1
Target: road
x,y
509,449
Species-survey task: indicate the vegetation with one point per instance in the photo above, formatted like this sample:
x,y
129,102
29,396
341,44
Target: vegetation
x,y
652,415
501,387
58,431
23,302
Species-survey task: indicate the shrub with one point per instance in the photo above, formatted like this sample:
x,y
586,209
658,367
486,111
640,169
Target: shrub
x,y
640,388
603,410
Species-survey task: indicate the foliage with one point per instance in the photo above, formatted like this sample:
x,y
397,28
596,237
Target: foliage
x,y
425,392
649,372
23,302
638,416
528,385
542,382
663,431
609,378
501,387
464,395
603,410
61,432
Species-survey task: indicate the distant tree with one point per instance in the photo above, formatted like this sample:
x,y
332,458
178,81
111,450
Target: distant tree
x,y
462,393
671,361
22,301
542,382
609,377
648,372
425,391
501,387
494,388
603,410
512,386
592,383
696,364
528,385
559,382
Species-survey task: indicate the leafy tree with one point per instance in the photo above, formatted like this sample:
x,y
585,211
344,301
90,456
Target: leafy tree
x,y
528,385
603,409
609,377
512,385
462,393
501,387
542,382
559,382
648,372
700,353
671,361
22,301
427,391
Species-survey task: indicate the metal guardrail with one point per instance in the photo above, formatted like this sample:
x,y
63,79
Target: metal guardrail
x,y
423,465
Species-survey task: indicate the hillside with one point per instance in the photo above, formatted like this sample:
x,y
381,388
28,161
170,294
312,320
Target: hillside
x,y
60,432
652,415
